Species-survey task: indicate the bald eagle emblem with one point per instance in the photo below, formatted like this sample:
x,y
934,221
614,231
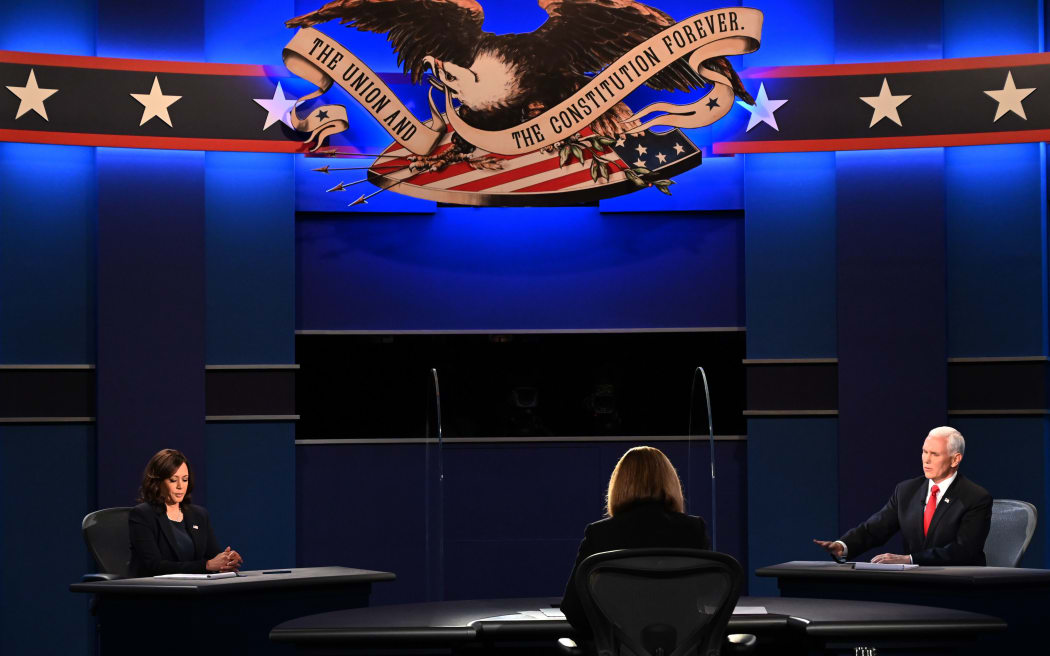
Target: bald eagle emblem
x,y
529,119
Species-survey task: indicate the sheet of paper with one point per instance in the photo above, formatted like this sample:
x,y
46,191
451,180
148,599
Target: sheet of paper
x,y
217,575
750,610
553,613
537,615
884,566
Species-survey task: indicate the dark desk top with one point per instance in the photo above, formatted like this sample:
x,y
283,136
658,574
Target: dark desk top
x,y
455,622
249,580
940,576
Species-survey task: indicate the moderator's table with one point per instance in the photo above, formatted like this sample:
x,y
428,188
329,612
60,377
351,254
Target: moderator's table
x,y
1015,594
791,626
231,615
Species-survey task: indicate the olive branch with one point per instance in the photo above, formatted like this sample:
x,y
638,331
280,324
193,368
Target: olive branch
x,y
597,145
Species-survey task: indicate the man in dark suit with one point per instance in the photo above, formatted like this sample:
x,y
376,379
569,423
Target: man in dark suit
x,y
943,516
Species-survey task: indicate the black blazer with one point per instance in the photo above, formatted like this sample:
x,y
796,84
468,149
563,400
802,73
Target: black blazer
x,y
641,524
957,531
153,541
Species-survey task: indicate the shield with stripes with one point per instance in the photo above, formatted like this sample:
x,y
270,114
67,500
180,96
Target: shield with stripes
x,y
543,177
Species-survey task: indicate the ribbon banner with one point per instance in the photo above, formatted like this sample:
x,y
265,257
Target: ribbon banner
x,y
319,59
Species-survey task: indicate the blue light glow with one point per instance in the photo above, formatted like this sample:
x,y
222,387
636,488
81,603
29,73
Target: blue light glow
x,y
58,27
971,30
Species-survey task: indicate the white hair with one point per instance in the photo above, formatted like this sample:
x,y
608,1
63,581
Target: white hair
x,y
956,442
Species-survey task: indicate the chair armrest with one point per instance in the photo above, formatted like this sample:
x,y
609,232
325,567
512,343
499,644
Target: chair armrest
x,y
98,576
740,644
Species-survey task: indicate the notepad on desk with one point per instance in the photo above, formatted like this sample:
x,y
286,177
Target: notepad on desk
x,y
197,577
884,566
750,610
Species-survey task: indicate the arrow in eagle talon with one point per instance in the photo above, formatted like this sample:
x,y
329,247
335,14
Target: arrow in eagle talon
x,y
339,187
323,169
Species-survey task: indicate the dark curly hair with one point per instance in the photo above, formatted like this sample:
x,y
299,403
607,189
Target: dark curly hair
x,y
159,469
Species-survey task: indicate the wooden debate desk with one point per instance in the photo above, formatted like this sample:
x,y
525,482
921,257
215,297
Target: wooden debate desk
x,y
229,615
503,626
1019,596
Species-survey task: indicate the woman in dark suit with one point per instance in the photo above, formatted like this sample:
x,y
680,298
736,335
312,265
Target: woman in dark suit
x,y
170,535
645,508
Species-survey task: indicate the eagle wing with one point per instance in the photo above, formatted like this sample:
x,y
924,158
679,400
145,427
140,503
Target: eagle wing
x,y
445,29
588,35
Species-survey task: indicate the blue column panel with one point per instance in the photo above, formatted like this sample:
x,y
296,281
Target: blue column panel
x,y
47,254
997,297
1011,27
153,30
789,257
46,487
893,30
1009,458
240,32
61,27
796,33
792,469
891,319
250,251
251,487
151,338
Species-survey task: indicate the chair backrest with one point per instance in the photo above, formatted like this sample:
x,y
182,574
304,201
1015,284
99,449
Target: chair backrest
x,y
108,539
1013,523
658,602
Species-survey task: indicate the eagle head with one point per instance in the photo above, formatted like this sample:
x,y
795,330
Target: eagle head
x,y
491,82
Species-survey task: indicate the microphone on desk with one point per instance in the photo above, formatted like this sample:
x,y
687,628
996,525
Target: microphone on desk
x,y
711,443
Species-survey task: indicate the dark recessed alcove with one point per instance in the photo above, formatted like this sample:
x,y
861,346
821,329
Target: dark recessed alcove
x,y
517,385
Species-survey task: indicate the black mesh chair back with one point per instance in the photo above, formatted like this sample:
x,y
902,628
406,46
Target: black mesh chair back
x,y
658,602
1013,524
108,539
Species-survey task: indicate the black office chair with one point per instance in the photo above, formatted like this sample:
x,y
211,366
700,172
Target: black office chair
x,y
1013,524
108,539
660,602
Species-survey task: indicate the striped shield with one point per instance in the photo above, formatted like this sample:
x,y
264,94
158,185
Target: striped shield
x,y
543,177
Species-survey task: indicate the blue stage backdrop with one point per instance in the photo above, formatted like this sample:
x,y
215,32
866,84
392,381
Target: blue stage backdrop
x,y
892,269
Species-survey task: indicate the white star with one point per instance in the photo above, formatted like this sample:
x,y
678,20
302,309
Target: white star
x,y
155,103
640,162
620,142
885,104
277,108
762,110
31,97
661,157
1009,98
678,148
641,149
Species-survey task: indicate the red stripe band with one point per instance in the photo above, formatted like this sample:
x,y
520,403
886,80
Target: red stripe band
x,y
880,143
882,68
165,143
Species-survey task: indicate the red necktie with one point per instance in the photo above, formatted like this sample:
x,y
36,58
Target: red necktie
x,y
931,506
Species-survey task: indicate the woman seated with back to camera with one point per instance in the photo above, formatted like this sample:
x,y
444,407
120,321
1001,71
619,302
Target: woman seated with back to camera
x,y
170,535
645,508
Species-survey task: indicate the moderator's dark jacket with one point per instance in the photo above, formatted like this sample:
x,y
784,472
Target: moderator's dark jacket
x,y
153,541
957,531
639,525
